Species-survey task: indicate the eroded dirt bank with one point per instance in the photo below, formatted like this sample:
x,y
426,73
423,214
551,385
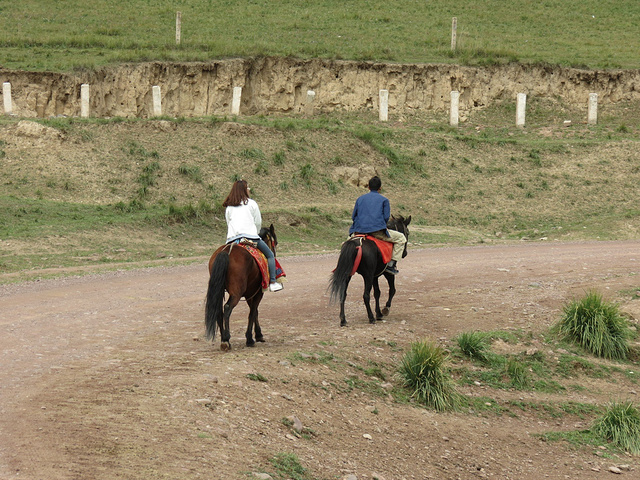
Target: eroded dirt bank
x,y
280,85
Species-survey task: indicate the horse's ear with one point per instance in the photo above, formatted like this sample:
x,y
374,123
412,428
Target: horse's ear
x,y
271,229
407,221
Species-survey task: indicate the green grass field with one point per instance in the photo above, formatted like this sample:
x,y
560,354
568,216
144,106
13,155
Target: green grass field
x,y
78,34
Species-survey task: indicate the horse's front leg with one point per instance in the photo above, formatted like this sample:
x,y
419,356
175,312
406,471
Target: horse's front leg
x,y
376,296
368,283
225,332
253,323
391,280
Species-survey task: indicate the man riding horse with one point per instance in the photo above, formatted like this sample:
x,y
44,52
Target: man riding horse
x,y
370,216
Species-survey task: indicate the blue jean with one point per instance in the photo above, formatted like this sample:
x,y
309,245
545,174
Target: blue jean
x,y
271,259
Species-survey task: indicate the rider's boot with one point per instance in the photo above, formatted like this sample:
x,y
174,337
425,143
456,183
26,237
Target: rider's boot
x,y
391,268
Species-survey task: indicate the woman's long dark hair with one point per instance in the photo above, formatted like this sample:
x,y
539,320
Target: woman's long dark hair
x,y
238,195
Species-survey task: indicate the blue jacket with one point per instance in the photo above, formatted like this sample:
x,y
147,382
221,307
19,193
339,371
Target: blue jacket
x,y
370,213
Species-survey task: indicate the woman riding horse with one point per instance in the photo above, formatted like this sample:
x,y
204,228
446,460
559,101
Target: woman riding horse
x,y
235,270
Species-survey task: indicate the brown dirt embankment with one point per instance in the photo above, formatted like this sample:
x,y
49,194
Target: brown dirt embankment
x,y
280,85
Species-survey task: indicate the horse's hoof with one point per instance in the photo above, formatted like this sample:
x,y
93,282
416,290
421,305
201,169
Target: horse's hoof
x,y
251,344
225,346
372,321
385,311
260,339
343,323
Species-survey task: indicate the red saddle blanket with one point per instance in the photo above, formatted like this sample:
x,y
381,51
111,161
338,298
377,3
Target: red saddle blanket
x,y
261,260
386,248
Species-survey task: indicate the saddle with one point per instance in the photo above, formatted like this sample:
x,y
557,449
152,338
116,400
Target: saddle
x,y
251,247
386,248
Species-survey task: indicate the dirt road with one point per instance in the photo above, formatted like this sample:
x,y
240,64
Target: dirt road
x,y
109,376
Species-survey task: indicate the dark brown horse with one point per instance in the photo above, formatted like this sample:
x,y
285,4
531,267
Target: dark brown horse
x,y
370,267
232,269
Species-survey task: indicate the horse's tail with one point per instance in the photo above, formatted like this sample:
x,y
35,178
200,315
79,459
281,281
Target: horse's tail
x,y
341,275
215,294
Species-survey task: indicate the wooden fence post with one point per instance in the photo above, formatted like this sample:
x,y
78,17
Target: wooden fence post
x,y
178,27
454,33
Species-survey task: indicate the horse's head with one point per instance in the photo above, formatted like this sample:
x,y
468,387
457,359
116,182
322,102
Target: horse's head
x,y
269,237
400,224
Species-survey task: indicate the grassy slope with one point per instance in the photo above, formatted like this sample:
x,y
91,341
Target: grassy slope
x,y
128,191
44,35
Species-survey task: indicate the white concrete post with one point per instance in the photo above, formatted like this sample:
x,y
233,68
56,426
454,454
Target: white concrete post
x,y
311,97
521,107
454,32
157,101
384,105
178,27
84,100
235,104
6,96
592,110
455,103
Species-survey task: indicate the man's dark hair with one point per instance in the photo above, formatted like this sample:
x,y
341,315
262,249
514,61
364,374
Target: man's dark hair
x,y
375,183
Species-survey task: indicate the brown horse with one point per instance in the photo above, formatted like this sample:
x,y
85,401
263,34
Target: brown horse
x,y
234,270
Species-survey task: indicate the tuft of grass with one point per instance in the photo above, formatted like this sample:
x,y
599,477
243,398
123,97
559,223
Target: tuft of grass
x,y
257,377
191,171
474,345
189,213
279,158
317,357
620,425
424,371
252,153
261,168
517,372
596,325
288,466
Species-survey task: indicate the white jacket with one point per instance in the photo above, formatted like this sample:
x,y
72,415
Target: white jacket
x,y
243,221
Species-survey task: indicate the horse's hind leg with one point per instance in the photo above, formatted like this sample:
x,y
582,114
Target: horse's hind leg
x,y
253,323
225,333
376,296
343,298
368,283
